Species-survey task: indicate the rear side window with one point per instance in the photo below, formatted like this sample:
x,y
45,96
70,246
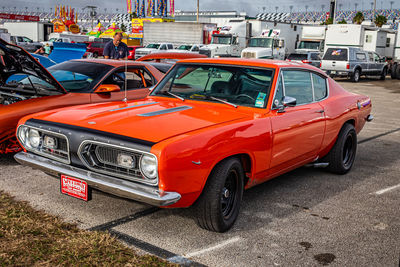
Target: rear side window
x,y
297,57
336,54
320,90
361,56
170,46
298,85
315,56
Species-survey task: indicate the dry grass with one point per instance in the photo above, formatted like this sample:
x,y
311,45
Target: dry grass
x,y
32,238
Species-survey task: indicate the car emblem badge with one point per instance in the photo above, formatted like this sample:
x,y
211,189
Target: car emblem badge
x,y
92,122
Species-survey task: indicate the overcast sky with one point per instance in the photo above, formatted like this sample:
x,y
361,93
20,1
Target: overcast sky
x,y
255,7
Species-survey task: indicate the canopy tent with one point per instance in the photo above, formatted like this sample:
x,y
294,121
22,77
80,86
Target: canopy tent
x,y
97,31
109,33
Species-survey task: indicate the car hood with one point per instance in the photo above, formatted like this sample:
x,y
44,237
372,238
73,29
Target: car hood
x,y
214,46
257,49
15,60
151,119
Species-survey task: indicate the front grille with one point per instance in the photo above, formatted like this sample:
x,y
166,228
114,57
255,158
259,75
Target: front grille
x,y
249,55
104,158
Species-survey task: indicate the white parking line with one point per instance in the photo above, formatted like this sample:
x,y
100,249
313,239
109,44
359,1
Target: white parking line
x,y
385,190
218,246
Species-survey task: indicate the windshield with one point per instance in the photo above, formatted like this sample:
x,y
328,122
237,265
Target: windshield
x,y
156,46
312,45
261,42
184,47
79,76
221,39
242,86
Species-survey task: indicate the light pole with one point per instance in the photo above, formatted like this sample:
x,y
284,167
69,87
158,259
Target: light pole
x,y
276,9
373,12
306,8
391,4
355,6
291,8
322,8
198,11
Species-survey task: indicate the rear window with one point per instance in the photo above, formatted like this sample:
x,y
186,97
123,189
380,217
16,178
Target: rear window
x,y
338,54
297,57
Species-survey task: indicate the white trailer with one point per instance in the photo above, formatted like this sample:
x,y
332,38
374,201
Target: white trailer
x,y
37,31
5,35
177,33
354,35
312,39
394,63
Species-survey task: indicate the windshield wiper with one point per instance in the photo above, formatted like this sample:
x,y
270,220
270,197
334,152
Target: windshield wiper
x,y
172,94
208,97
223,101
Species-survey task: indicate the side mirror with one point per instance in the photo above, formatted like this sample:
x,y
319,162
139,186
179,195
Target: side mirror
x,y
287,101
107,88
151,88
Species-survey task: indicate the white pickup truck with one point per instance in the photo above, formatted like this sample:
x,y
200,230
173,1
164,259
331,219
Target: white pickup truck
x,y
265,47
152,48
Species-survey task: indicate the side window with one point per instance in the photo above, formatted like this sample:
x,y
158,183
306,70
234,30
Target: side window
x,y
315,56
360,56
195,48
170,46
376,57
20,39
163,47
135,78
27,40
320,89
298,85
368,38
387,42
371,56
278,94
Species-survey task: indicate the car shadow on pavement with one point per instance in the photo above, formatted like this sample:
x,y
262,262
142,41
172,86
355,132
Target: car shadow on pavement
x,y
7,160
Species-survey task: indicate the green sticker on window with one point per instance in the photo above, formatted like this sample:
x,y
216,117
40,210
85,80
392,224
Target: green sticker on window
x,y
260,100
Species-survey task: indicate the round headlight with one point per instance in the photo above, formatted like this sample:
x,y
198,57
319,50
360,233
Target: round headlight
x,y
148,166
34,138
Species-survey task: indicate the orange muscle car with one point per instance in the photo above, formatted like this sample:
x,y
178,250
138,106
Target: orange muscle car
x,y
210,129
27,87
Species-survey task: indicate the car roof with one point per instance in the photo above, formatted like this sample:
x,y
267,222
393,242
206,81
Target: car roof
x,y
266,63
112,62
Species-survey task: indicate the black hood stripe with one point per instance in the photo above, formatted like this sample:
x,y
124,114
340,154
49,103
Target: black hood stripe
x,y
34,122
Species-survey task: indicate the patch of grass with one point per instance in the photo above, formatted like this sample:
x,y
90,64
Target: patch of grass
x,y
31,238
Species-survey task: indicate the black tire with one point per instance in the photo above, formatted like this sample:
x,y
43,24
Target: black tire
x,y
355,77
393,71
218,206
342,155
384,74
95,55
397,72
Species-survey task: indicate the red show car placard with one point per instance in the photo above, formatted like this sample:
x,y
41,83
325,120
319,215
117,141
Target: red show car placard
x,y
74,187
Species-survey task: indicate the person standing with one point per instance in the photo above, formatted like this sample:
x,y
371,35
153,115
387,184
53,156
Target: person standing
x,y
116,49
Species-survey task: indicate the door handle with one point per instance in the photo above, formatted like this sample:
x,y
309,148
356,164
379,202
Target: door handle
x,y
320,111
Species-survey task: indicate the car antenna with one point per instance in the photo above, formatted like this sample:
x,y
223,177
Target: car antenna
x,y
126,82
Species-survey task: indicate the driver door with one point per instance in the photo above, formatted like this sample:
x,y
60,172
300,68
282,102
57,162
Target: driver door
x,y
137,80
297,131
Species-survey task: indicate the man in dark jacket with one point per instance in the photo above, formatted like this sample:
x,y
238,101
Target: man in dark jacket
x,y
116,49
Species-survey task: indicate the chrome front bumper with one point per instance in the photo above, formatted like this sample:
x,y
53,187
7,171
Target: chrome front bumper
x,y
115,186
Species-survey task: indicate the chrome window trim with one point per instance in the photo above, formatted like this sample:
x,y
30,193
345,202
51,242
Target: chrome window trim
x,y
68,161
126,177
299,69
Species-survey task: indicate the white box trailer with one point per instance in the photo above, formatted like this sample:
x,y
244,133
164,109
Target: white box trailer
x,y
177,33
37,31
5,35
354,35
394,64
312,39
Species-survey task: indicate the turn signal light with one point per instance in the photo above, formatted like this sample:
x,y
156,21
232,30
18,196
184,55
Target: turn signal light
x,y
348,66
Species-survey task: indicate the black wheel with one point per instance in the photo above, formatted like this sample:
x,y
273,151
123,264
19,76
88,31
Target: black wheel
x,y
342,155
393,71
95,55
355,77
384,74
218,206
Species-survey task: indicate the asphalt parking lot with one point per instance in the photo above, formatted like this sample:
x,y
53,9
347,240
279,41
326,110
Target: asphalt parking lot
x,y
307,217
